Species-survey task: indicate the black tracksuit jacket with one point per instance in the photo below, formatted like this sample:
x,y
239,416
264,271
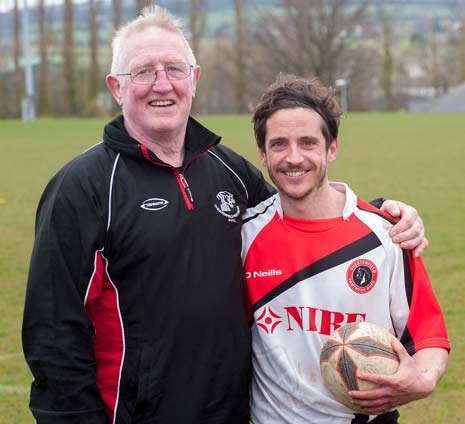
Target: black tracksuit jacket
x,y
134,309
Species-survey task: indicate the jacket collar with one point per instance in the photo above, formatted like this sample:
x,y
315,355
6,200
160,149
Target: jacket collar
x,y
198,139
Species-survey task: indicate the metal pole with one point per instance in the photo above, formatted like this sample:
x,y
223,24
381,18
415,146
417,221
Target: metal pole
x,y
341,85
27,104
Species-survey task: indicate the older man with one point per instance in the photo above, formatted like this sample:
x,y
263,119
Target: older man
x,y
134,311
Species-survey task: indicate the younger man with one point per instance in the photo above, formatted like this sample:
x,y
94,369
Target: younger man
x,y
317,257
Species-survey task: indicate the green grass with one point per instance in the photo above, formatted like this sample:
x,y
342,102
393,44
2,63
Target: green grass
x,y
417,158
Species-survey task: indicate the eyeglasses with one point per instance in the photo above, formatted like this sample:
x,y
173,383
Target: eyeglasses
x,y
174,72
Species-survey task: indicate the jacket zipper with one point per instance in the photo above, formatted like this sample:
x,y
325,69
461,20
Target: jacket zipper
x,y
180,178
185,189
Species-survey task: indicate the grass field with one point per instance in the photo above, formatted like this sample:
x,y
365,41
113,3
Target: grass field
x,y
415,158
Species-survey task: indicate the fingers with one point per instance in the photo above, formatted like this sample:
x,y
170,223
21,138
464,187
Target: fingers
x,y
375,408
409,220
402,353
370,395
393,390
374,401
409,232
407,228
412,239
392,207
421,247
379,379
401,379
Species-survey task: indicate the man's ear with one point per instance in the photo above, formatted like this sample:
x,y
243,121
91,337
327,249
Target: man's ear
x,y
114,86
262,155
332,151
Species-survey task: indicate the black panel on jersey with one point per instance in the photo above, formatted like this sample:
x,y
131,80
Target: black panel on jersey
x,y
258,213
377,213
406,338
408,277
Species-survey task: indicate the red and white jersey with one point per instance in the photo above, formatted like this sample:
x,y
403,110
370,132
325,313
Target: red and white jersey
x,y
304,279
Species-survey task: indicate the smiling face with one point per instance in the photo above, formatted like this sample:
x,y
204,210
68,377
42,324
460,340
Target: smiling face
x,y
296,155
161,109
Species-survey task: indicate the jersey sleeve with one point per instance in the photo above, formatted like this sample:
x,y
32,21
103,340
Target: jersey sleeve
x,y
415,310
57,331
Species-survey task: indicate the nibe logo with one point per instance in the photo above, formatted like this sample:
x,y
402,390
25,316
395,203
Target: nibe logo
x,y
154,204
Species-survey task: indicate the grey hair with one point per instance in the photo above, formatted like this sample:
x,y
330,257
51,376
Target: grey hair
x,y
151,17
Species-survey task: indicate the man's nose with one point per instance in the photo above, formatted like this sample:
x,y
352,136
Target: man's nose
x,y
161,81
294,155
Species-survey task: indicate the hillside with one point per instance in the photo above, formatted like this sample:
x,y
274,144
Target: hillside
x,y
222,11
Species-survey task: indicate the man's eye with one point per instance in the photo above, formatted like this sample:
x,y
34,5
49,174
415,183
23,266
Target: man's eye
x,y
173,68
144,72
308,143
277,144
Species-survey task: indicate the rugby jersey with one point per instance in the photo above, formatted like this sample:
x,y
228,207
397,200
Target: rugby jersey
x,y
304,279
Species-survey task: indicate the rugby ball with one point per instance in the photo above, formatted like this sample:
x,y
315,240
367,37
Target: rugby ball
x,y
352,348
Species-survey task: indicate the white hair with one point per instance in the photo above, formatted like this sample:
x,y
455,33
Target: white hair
x,y
150,17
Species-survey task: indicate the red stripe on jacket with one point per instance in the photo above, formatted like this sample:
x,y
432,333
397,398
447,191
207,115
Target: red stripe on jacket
x,y
103,308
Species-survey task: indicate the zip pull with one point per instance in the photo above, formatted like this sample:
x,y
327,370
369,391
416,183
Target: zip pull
x,y
186,187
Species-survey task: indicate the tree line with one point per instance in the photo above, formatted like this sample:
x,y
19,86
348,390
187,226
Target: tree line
x,y
355,41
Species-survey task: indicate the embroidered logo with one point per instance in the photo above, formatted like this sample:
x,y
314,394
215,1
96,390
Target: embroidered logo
x,y
154,204
362,275
227,205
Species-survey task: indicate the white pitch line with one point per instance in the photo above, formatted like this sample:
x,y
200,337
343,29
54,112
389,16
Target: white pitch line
x,y
14,389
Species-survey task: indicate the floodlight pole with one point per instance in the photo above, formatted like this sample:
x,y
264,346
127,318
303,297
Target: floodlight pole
x,y
28,110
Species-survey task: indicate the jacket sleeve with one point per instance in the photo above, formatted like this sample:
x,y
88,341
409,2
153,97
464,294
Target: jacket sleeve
x,y
57,331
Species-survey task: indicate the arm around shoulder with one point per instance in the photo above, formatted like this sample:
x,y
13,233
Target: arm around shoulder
x,y
409,232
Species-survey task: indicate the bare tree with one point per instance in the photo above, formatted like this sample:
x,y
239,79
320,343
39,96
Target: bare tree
x,y
197,20
240,77
459,13
362,65
93,52
309,36
117,11
68,58
435,77
387,66
6,81
462,51
197,24
44,94
216,96
16,56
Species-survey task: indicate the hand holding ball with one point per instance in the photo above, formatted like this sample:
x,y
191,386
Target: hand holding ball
x,y
356,347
